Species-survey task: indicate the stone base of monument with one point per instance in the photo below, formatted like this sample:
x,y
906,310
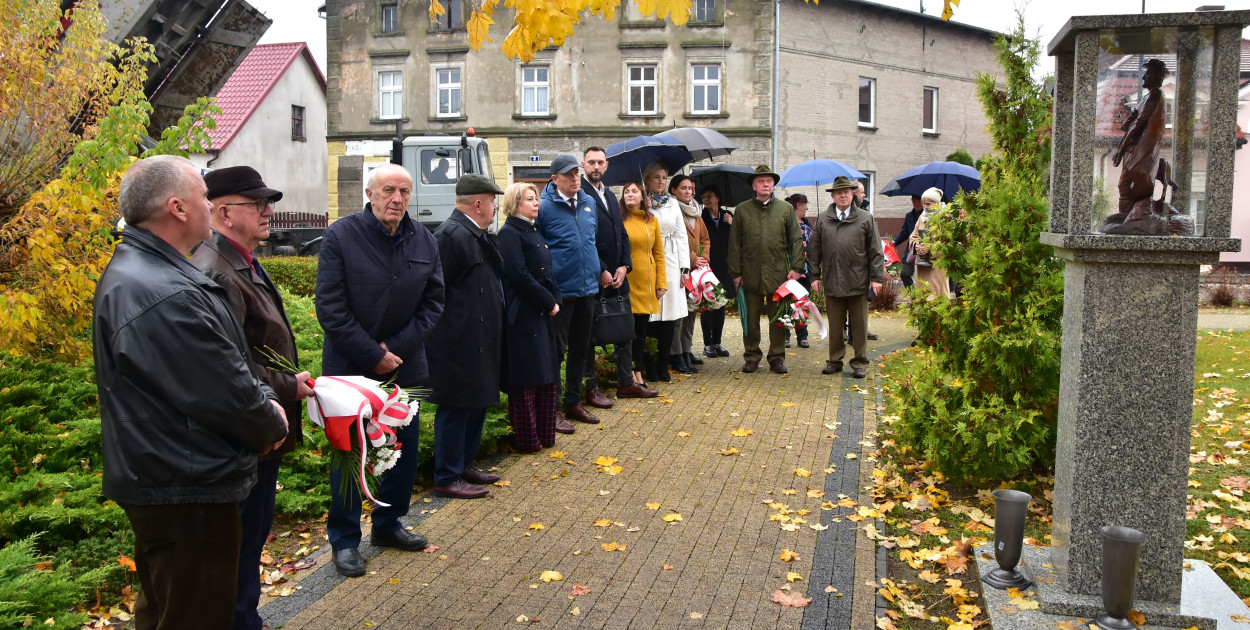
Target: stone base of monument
x,y
1206,601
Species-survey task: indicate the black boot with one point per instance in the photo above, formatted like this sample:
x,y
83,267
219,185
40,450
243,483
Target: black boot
x,y
681,364
694,359
688,361
652,370
661,368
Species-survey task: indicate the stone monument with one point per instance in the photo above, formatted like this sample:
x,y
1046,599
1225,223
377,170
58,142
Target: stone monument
x,y
1131,285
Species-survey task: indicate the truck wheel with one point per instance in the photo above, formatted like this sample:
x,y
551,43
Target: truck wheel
x,y
284,250
311,248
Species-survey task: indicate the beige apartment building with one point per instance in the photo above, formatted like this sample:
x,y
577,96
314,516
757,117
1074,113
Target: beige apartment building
x,y
879,88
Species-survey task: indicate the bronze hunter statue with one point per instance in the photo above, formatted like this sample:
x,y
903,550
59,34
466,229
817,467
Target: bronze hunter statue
x,y
1139,212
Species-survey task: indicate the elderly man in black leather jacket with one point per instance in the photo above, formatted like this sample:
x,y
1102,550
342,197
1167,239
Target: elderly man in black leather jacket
x,y
183,413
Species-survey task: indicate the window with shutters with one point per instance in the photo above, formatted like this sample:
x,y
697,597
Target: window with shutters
x,y
930,113
867,102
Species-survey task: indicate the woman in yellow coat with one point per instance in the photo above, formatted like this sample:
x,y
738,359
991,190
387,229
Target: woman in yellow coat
x,y
647,284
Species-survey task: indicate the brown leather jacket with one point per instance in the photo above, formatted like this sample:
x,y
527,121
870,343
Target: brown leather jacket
x,y
258,307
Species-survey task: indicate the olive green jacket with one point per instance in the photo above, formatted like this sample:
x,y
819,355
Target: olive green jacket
x,y
845,255
765,244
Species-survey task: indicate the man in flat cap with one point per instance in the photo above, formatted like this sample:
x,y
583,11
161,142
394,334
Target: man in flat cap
x,y
765,249
464,351
568,220
242,208
379,294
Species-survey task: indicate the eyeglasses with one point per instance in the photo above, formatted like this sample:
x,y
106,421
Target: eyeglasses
x,y
260,204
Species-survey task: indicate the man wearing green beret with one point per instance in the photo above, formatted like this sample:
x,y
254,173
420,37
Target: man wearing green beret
x,y
765,250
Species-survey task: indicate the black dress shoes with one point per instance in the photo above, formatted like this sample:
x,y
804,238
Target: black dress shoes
x,y
399,539
721,351
873,336
693,359
710,352
473,475
348,562
803,344
461,490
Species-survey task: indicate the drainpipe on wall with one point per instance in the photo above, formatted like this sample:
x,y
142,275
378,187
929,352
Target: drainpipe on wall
x,y
776,74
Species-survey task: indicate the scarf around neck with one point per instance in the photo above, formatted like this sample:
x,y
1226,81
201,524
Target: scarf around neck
x,y
657,200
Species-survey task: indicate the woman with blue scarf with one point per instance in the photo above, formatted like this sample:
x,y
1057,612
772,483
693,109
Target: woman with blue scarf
x,y
676,257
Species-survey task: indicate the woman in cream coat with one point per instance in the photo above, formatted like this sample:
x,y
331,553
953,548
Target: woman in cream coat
x,y
676,257
934,279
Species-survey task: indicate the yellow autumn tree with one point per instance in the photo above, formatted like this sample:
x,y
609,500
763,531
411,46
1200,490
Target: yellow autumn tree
x,y
537,24
56,241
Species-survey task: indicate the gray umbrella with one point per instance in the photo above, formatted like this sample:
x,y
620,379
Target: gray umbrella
x,y
701,142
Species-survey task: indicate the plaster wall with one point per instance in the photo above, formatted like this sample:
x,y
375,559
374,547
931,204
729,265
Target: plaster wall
x,y
826,48
297,168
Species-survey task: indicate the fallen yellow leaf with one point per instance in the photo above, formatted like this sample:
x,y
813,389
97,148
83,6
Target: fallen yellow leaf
x,y
603,522
1136,617
551,576
787,404
788,556
682,434
655,505
536,526
814,493
741,432
576,611
613,546
802,472
556,454
729,451
791,576
605,461
672,518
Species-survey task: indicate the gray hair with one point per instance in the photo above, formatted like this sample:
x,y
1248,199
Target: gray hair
x,y
385,168
150,183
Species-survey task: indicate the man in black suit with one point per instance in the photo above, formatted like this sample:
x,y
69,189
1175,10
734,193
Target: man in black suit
x,y
612,243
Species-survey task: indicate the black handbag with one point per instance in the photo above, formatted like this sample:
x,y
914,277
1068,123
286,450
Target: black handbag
x,y
614,320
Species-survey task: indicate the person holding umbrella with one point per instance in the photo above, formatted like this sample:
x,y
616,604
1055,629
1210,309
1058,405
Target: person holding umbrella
x,y
718,221
765,250
682,189
676,260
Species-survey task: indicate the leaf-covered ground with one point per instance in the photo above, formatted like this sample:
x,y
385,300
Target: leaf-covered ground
x,y
930,524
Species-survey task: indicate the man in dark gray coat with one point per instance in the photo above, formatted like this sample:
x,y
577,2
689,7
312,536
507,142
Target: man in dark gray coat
x,y
464,351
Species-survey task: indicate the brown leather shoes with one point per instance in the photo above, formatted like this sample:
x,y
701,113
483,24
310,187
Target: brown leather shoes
x,y
563,425
777,366
831,368
596,398
579,413
473,475
461,490
859,373
636,391
750,366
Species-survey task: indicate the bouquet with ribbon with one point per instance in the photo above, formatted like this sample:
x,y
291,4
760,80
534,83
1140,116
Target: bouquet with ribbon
x,y
796,310
704,292
360,416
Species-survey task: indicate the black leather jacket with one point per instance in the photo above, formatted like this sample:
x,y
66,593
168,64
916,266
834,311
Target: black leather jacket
x,y
183,413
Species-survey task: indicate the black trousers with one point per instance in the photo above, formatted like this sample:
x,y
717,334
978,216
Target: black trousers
x,y
187,557
256,517
639,344
573,323
663,333
713,323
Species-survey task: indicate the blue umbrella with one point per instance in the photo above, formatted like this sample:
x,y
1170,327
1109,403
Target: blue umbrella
x,y
816,173
626,160
948,176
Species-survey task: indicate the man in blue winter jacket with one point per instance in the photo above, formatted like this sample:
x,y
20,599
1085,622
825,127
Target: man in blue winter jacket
x,y
567,219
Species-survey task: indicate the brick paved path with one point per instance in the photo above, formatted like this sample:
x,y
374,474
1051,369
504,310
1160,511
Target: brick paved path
x,y
716,568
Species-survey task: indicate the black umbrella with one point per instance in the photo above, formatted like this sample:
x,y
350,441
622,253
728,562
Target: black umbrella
x,y
703,143
948,176
733,180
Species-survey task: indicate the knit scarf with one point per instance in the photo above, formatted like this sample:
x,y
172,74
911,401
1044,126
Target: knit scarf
x,y
692,212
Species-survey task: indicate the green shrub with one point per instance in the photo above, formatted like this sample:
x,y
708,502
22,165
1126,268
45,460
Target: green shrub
x,y
980,398
298,274
32,594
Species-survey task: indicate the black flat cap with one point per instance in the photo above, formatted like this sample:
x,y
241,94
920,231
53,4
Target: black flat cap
x,y
240,180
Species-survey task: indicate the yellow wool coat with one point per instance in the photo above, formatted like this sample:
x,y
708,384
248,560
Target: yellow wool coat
x,y
646,249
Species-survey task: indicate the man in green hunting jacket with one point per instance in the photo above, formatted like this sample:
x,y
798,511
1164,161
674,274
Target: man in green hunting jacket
x,y
765,249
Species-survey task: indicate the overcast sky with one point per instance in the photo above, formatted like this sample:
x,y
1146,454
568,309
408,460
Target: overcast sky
x,y
297,20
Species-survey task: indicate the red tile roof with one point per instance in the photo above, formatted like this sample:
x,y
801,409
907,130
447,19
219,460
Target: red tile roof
x,y
251,83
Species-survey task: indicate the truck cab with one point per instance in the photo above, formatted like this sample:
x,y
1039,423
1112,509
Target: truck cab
x,y
436,163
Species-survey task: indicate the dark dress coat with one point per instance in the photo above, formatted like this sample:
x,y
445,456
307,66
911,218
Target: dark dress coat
x,y
718,258
465,347
611,240
530,293
258,307
372,288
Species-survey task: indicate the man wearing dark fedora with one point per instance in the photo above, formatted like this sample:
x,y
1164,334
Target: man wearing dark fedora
x,y
465,349
242,208
845,252
765,250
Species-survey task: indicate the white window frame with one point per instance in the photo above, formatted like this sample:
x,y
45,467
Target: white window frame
x,y
393,10
872,102
932,110
642,84
455,88
708,12
390,92
704,84
539,89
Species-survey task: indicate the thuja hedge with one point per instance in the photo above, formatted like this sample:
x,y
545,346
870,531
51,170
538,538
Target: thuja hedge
x,y
56,529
